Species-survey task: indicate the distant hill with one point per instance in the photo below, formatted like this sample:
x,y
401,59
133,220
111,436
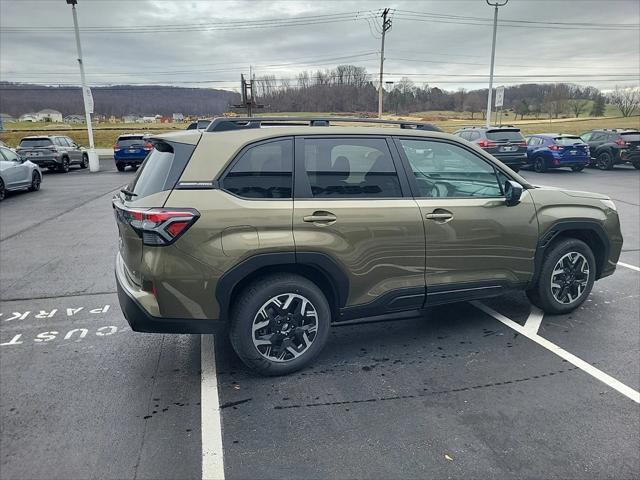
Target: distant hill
x,y
19,98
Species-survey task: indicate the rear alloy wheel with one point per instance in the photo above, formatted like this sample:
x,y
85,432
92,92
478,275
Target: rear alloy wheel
x,y
64,166
85,161
636,165
35,182
566,277
280,324
2,190
578,169
539,165
605,161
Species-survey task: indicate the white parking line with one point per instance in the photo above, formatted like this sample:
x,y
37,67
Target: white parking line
x,y
632,267
212,456
569,357
532,324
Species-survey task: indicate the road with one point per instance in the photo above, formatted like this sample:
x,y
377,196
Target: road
x,y
455,393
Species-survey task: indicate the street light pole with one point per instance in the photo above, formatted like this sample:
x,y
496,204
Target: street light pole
x,y
94,163
493,54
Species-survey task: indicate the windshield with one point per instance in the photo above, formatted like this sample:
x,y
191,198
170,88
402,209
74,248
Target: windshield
x,y
505,135
35,142
568,141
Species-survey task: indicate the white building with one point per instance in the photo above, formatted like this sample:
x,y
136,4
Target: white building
x,y
28,117
178,117
48,115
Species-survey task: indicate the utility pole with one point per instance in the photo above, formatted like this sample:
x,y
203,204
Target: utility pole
x,y
247,89
94,162
493,54
386,25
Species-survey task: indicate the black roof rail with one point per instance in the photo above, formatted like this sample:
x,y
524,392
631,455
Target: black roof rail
x,y
222,124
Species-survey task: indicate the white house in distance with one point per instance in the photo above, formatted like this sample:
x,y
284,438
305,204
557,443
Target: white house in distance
x,y
178,117
28,117
48,115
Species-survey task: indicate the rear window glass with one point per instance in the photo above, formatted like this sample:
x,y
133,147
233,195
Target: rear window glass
x,y
131,141
631,136
162,168
568,140
36,142
505,135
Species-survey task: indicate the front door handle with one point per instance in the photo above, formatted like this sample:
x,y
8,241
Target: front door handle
x,y
320,217
439,215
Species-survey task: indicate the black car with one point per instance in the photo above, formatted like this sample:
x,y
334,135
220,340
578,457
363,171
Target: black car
x,y
612,147
505,143
55,152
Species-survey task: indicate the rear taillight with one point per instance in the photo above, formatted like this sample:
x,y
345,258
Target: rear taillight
x,y
116,148
621,142
157,226
486,144
148,146
523,143
554,147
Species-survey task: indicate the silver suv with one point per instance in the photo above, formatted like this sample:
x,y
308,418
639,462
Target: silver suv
x,y
53,152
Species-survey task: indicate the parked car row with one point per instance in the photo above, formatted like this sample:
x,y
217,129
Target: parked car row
x,y
543,151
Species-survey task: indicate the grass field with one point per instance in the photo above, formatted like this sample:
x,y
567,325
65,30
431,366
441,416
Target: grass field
x,y
105,134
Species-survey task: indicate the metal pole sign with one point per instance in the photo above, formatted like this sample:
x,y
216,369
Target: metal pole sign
x,y
499,96
88,100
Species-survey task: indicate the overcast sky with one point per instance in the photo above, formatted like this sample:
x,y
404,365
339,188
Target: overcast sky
x,y
209,43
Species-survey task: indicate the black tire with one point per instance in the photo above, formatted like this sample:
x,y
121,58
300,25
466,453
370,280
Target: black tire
x,y
539,165
543,295
636,165
248,309
2,190
515,168
36,180
85,161
577,169
120,167
604,161
64,165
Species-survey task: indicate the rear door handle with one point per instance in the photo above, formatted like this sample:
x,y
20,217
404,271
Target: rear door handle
x,y
320,217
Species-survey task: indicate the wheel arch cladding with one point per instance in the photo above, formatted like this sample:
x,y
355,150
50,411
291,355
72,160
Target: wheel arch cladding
x,y
590,233
317,267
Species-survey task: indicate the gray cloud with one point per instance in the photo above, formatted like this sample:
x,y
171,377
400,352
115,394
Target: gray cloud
x,y
414,48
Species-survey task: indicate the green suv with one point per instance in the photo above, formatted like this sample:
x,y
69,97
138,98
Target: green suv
x,y
274,228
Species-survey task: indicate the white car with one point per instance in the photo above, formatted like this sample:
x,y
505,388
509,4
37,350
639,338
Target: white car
x,y
17,173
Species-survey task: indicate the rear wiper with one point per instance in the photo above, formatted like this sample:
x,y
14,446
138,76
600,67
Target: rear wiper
x,y
128,192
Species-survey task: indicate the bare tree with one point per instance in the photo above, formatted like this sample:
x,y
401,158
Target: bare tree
x,y
474,103
626,99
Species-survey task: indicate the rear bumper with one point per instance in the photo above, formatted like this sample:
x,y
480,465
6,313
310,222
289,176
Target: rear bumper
x,y
518,159
140,320
45,161
129,160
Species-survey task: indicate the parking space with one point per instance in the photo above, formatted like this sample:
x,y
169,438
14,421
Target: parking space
x,y
454,393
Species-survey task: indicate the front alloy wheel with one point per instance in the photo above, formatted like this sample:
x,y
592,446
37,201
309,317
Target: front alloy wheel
x,y
285,327
569,278
35,182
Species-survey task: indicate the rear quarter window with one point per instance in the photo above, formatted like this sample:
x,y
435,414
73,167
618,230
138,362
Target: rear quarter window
x,y
162,168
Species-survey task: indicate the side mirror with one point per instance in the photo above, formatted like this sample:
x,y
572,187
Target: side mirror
x,y
512,193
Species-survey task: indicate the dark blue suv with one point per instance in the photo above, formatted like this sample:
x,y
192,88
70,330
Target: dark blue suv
x,y
131,150
554,150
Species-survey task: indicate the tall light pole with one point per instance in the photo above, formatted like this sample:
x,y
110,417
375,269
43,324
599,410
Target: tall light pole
x,y
386,25
495,5
94,162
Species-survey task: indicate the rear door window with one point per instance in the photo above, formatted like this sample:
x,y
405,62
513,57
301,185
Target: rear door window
x,y
162,168
350,168
262,171
505,135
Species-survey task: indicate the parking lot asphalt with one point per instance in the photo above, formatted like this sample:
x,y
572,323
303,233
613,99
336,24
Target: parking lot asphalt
x,y
453,393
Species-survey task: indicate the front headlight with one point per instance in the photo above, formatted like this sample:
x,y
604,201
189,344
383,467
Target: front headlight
x,y
610,204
